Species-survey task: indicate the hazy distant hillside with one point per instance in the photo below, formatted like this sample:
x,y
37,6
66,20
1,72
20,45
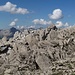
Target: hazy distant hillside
x,y
8,32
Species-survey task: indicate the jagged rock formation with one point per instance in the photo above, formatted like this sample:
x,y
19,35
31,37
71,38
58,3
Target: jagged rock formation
x,y
49,51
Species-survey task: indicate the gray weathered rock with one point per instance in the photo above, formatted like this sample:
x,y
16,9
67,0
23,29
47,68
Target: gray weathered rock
x,y
43,62
39,52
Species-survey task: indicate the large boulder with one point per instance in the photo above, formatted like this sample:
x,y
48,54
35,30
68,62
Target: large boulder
x,y
43,62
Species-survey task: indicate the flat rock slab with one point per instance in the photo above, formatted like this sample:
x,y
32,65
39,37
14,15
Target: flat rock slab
x,y
43,62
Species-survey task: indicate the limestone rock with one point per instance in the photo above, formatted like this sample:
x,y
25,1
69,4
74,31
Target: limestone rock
x,y
39,52
43,62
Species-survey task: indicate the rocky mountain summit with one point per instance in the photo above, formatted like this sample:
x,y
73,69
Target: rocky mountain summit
x,y
49,51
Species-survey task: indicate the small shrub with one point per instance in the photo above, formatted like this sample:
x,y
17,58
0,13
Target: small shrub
x,y
73,74
70,66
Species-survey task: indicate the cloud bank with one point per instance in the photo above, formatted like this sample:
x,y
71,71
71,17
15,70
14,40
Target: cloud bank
x,y
12,8
31,27
61,24
41,22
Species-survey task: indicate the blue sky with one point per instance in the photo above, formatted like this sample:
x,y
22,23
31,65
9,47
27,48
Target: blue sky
x,y
38,13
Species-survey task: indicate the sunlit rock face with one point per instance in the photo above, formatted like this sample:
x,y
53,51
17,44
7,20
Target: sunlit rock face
x,y
49,51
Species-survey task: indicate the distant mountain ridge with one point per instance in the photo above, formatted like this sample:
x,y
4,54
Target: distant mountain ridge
x,y
8,32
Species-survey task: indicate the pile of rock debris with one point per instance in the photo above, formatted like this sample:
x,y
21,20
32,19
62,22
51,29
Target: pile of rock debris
x,y
49,51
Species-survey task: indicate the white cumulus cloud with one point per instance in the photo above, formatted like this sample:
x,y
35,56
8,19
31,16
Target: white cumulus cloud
x,y
57,14
12,8
18,27
59,24
13,23
16,20
21,27
66,24
41,22
31,27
